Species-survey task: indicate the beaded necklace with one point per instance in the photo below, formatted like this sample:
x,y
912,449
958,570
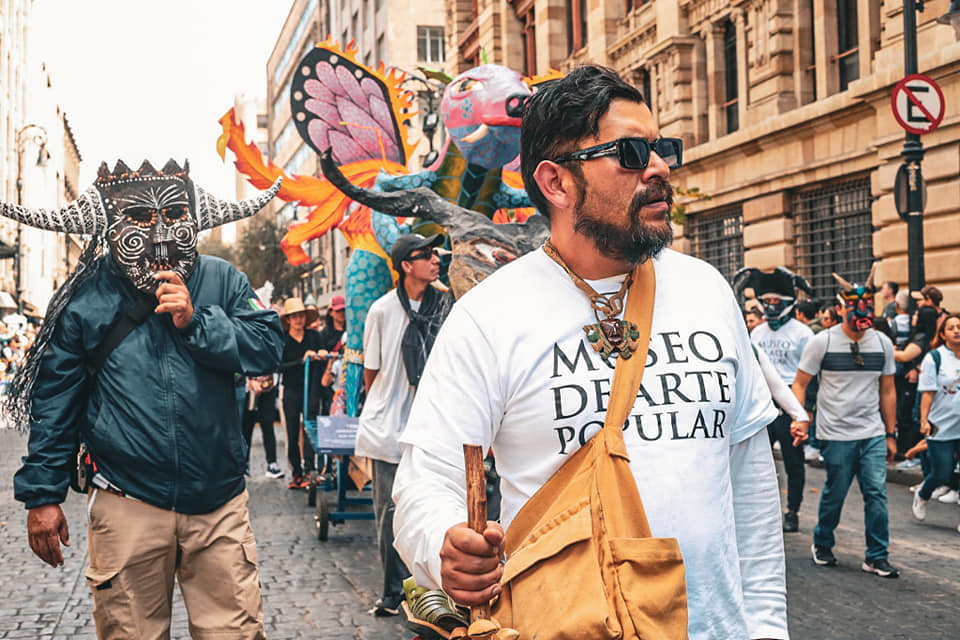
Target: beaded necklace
x,y
609,334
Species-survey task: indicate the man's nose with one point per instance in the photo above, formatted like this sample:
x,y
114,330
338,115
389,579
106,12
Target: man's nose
x,y
162,233
656,167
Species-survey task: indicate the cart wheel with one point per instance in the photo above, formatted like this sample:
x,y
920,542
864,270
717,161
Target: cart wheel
x,y
322,519
312,493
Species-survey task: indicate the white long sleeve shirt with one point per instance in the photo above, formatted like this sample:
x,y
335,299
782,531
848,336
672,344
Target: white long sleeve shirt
x,y
512,370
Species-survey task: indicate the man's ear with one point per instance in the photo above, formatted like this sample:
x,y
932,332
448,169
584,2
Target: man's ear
x,y
556,184
406,267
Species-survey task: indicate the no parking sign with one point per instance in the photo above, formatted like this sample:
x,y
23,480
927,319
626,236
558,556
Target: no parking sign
x,y
918,104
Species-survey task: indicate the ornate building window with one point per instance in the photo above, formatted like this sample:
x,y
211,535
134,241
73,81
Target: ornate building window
x,y
833,232
848,43
430,44
730,76
524,10
718,239
576,25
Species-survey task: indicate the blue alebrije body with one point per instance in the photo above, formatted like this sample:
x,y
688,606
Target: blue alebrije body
x,y
494,150
367,279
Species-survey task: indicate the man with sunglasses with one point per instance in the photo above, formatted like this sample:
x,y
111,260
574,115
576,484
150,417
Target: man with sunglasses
x,y
856,422
521,366
397,337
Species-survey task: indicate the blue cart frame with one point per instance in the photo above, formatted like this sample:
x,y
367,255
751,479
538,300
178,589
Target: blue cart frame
x,y
336,438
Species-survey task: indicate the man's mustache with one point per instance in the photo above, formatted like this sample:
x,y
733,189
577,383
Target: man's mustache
x,y
659,190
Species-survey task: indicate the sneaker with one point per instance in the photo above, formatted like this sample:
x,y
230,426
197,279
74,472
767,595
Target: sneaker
x,y
791,522
304,482
907,465
296,482
919,507
880,567
823,556
915,487
274,471
939,491
950,497
386,607
810,453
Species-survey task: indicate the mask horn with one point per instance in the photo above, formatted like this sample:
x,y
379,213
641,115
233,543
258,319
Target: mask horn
x,y
84,215
843,283
213,212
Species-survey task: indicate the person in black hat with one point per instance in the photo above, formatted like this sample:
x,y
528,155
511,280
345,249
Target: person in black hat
x,y
400,329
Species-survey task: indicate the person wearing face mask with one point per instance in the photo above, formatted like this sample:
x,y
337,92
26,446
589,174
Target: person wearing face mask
x,y
782,338
856,423
136,360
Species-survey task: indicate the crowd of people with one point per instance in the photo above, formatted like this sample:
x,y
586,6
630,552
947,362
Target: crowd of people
x,y
158,351
15,339
875,387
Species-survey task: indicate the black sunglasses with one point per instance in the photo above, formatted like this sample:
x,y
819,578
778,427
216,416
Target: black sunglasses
x,y
855,351
633,153
425,255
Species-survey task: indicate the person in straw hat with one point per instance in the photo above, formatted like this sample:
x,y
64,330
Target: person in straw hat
x,y
301,343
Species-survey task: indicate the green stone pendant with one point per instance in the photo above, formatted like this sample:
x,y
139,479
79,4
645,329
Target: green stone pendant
x,y
611,336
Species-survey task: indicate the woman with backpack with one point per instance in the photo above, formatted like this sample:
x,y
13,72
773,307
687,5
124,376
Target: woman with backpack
x,y
939,385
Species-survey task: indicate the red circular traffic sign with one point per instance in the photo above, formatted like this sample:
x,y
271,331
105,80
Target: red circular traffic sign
x,y
918,104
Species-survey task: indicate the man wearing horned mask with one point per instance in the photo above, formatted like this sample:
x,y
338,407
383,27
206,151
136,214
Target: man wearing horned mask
x,y
152,403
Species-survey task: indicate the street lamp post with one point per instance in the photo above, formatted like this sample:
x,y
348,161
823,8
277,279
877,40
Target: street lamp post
x,y
912,146
38,135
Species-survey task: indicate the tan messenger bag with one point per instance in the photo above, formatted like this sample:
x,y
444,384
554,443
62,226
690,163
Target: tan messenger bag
x,y
581,562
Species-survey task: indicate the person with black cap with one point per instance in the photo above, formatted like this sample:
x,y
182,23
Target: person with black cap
x,y
400,329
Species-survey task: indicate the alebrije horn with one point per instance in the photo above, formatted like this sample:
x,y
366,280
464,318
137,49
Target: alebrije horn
x,y
843,283
84,215
213,212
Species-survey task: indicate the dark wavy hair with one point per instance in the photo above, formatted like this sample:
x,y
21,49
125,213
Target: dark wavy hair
x,y
940,338
564,112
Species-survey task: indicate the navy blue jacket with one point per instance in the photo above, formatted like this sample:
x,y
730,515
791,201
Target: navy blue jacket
x,y
161,419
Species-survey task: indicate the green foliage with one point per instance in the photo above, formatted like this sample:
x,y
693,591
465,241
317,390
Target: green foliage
x,y
683,197
258,255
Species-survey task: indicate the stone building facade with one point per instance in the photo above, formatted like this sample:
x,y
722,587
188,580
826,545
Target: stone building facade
x,y
784,107
39,165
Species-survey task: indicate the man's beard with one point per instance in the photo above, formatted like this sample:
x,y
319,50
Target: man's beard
x,y
638,240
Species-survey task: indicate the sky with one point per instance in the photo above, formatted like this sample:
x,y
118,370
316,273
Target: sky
x,y
148,79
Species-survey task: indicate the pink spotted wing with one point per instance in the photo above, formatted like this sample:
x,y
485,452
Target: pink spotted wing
x,y
340,105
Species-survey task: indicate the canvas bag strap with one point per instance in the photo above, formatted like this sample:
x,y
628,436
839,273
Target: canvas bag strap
x,y
629,372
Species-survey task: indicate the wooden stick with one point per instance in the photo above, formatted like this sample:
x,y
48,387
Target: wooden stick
x,y
476,506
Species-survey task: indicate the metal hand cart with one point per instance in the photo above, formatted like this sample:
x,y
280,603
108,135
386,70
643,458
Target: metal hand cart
x,y
333,436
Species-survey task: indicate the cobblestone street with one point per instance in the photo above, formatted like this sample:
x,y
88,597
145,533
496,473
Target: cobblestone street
x,y
316,589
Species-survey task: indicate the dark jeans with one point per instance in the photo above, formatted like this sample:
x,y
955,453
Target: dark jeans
x,y
394,570
941,454
264,412
793,463
908,431
867,460
292,409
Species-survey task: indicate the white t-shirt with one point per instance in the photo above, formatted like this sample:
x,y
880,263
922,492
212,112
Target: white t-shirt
x,y
389,399
848,401
783,346
945,410
512,369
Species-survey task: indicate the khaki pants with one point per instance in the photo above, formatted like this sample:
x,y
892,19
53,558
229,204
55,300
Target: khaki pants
x,y
137,549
